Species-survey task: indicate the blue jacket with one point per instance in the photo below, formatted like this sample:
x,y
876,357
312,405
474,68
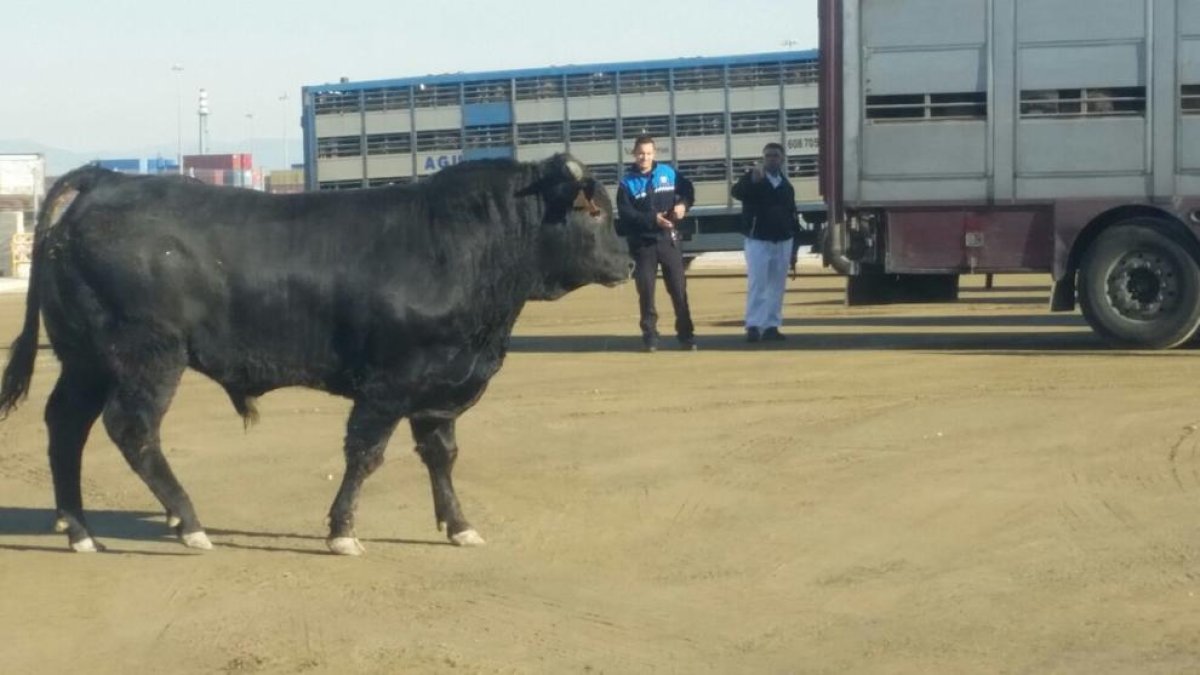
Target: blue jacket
x,y
642,196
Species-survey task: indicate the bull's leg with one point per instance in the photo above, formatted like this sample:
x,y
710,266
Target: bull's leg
x,y
438,449
133,418
74,405
367,433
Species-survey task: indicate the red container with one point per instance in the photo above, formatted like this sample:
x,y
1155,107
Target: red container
x,y
209,162
210,176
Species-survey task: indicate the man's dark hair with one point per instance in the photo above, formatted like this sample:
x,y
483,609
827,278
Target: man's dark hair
x,y
642,140
774,146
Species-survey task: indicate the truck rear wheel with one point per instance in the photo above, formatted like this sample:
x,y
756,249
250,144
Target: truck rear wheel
x,y
1140,287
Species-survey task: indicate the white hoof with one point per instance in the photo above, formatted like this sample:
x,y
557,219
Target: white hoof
x,y
197,540
467,538
60,525
85,545
346,546
173,520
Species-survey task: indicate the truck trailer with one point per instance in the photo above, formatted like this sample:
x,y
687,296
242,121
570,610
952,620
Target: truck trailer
x,y
710,117
993,136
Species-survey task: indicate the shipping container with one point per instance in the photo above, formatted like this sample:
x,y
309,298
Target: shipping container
x,y
22,174
287,177
285,182
22,182
130,165
210,162
158,165
210,176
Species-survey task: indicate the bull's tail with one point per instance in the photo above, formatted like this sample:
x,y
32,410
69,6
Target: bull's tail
x,y
14,385
19,371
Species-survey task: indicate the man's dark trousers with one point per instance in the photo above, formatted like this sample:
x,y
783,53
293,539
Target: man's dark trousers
x,y
647,256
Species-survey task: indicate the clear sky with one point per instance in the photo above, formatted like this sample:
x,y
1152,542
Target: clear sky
x,y
96,75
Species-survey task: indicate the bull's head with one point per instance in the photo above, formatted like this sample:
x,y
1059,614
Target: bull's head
x,y
578,244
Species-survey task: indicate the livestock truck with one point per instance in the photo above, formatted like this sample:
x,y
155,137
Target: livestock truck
x,y
993,136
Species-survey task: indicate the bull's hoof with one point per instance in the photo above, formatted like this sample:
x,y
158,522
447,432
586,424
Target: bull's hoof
x,y
196,540
467,538
60,525
345,546
86,545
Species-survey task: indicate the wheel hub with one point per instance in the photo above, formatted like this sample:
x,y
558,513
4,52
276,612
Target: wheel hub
x,y
1143,285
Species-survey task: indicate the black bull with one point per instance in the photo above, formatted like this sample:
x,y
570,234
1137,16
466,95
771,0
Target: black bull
x,y
400,298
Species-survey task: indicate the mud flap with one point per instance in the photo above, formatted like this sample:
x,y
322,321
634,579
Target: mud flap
x,y
1062,294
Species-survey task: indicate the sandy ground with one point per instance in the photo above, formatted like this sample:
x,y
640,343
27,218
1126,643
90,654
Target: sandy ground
x,y
971,488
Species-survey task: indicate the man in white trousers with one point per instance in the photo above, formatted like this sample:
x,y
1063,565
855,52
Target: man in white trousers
x,y
770,222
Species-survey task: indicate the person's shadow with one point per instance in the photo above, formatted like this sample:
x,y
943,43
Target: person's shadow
x,y
110,526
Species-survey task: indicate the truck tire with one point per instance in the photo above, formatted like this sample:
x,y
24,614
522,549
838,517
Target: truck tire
x,y
1139,286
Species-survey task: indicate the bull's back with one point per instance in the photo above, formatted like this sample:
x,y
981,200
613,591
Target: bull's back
x,y
267,291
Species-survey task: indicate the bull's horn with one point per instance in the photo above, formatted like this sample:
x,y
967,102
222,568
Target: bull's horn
x,y
575,168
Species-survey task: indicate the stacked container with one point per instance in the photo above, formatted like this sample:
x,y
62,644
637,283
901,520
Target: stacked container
x,y
286,182
122,165
234,170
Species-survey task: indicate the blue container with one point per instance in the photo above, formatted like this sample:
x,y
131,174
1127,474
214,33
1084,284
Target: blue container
x,y
122,165
157,165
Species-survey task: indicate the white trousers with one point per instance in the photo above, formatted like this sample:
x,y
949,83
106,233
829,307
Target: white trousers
x,y
766,278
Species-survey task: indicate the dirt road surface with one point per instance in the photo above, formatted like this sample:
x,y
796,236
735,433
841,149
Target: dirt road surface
x,y
971,488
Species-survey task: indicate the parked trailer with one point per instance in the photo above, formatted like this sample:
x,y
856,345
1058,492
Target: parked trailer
x,y
710,117
995,136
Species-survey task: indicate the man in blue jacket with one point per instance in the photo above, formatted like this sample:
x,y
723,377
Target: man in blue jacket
x,y
651,200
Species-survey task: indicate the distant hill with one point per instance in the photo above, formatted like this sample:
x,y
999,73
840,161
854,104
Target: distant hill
x,y
58,160
268,153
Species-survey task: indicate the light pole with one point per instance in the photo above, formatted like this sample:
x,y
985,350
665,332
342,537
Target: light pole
x,y
36,185
202,113
178,70
250,137
287,164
